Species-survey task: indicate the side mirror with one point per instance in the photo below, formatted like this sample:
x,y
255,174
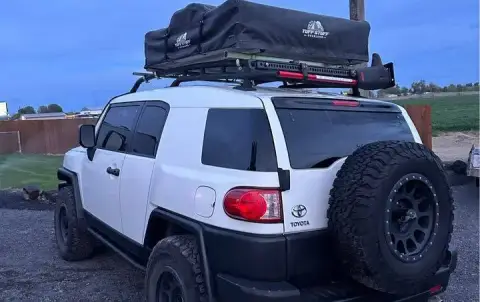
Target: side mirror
x,y
87,136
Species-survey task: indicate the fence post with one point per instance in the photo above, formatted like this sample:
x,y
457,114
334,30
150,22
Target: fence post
x,y
421,116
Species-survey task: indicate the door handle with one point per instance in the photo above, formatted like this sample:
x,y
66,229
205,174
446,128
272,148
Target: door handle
x,y
115,172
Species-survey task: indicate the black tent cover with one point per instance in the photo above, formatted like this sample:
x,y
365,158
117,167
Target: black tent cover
x,y
247,27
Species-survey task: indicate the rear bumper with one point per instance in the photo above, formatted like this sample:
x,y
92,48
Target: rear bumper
x,y
233,289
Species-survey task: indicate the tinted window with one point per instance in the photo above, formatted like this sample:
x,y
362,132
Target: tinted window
x,y
117,124
316,138
149,130
232,136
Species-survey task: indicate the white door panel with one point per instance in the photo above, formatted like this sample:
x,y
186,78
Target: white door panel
x,y
134,194
138,168
101,189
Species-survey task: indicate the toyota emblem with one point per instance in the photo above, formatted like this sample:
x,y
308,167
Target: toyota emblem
x,y
299,211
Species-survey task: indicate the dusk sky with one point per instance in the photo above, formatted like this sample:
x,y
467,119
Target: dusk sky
x,y
82,52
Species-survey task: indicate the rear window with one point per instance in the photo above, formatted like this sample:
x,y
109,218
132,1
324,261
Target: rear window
x,y
316,138
239,139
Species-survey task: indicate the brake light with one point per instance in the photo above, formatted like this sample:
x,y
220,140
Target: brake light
x,y
345,103
254,205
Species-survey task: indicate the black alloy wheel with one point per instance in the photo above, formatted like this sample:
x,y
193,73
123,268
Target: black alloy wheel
x,y
169,288
63,223
411,217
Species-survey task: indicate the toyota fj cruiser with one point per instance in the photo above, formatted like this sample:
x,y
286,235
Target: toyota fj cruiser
x,y
249,193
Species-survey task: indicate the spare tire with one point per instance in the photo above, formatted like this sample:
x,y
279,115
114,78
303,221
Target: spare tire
x,y
391,215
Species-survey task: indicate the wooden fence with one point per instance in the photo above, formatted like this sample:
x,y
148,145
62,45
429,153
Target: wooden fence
x,y
421,116
40,136
58,136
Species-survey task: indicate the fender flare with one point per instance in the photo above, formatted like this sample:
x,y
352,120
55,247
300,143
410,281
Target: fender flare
x,y
197,230
68,177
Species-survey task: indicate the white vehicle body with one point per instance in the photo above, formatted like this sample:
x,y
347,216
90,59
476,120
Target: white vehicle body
x,y
176,179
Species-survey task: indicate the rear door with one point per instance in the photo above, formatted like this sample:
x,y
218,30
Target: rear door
x,y
313,136
138,168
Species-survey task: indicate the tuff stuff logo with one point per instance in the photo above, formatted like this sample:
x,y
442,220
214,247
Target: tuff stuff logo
x,y
182,41
315,30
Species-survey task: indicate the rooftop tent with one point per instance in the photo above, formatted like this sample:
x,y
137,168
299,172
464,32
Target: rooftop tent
x,y
247,27
253,44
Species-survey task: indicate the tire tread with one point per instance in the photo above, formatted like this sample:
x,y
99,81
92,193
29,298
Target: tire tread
x,y
81,245
351,215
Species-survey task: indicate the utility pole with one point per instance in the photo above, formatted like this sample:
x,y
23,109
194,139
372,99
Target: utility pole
x,y
357,13
357,10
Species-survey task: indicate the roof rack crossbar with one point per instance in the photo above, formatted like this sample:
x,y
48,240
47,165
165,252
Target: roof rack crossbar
x,y
251,70
145,77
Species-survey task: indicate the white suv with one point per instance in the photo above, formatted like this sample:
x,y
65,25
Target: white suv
x,y
270,194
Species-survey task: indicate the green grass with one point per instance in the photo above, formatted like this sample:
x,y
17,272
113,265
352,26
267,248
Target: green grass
x,y
451,113
18,170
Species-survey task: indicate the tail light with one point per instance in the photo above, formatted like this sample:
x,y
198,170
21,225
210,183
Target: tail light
x,y
255,205
435,290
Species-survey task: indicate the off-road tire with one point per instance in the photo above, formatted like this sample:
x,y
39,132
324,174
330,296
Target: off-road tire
x,y
178,254
79,244
357,206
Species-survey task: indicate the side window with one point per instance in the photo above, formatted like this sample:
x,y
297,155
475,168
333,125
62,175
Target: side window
x,y
149,130
239,139
117,127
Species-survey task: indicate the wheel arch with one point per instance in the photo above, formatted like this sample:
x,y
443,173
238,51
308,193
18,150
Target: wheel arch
x,y
163,223
70,178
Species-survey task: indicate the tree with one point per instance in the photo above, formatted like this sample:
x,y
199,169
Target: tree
x,y
85,109
419,87
26,110
54,108
23,110
50,108
432,87
451,88
404,91
392,90
42,109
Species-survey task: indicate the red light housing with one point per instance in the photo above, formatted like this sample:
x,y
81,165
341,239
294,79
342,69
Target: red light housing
x,y
345,103
254,205
435,290
316,78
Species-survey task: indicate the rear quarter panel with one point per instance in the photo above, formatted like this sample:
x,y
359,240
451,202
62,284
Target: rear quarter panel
x,y
178,173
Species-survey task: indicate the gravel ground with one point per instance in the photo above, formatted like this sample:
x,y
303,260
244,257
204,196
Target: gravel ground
x,y
31,270
464,285
454,145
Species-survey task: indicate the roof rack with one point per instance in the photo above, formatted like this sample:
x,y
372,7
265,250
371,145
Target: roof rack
x,y
249,70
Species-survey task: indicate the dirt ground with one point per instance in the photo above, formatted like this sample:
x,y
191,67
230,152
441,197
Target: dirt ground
x,y
453,146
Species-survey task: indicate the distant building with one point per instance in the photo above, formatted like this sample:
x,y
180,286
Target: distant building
x,y
91,113
44,116
3,110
